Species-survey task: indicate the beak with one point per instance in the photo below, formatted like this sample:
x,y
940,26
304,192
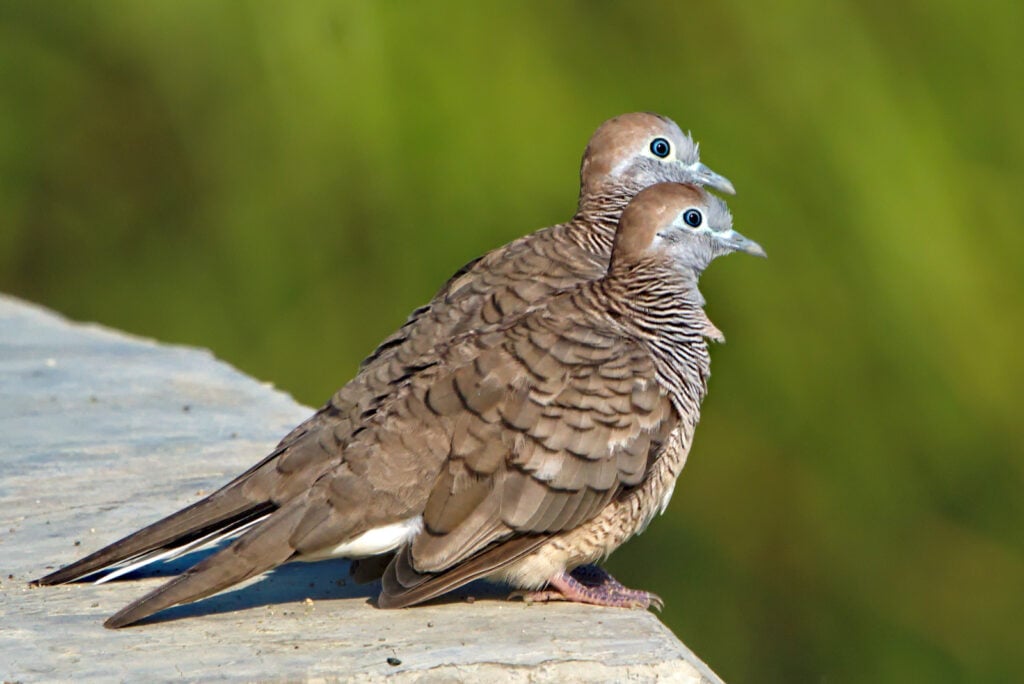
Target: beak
x,y
737,242
705,176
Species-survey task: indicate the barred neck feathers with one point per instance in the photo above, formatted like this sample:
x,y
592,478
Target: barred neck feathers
x,y
660,307
593,226
666,237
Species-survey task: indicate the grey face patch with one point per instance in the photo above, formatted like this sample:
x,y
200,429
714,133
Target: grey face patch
x,y
695,246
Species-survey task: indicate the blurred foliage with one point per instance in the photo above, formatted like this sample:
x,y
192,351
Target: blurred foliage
x,y
283,182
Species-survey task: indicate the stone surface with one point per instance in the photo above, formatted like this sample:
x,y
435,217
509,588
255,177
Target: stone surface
x,y
102,433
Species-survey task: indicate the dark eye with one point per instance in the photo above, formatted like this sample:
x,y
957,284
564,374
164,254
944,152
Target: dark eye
x,y
660,147
693,218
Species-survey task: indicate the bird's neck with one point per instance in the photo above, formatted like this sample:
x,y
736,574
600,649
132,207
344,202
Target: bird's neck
x,y
654,286
661,307
597,216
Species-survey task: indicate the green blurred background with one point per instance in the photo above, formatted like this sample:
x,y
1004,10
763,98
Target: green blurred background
x,y
284,183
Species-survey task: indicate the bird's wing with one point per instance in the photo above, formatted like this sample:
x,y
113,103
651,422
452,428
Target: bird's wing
x,y
416,317
490,289
521,431
482,293
546,429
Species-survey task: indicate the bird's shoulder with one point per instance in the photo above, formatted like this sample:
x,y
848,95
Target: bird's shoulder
x,y
493,286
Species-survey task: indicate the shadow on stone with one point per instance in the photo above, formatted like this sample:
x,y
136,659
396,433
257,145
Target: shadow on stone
x,y
321,581
290,583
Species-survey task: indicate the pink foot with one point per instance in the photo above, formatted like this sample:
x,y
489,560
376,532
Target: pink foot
x,y
590,584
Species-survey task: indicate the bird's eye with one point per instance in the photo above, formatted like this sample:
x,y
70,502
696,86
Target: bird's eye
x,y
693,218
660,147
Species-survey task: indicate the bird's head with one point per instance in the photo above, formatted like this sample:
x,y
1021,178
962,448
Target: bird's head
x,y
640,149
681,223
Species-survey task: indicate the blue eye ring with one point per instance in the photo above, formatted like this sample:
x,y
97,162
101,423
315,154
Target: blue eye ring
x,y
660,147
692,218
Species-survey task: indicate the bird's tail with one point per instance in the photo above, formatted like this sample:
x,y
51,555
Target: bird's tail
x,y
264,547
223,513
241,503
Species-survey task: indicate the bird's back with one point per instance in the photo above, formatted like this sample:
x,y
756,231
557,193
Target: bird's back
x,y
486,292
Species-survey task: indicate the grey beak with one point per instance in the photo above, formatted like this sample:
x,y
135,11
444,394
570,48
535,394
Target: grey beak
x,y
706,176
736,241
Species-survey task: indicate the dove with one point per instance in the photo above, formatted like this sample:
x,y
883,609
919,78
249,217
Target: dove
x,y
522,451
624,155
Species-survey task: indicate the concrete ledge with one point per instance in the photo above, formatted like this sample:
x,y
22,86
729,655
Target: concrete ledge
x,y
89,416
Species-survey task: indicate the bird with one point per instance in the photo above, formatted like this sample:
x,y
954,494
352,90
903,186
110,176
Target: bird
x,y
525,450
625,154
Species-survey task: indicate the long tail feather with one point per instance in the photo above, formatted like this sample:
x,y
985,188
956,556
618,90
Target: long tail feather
x,y
159,555
264,547
224,512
